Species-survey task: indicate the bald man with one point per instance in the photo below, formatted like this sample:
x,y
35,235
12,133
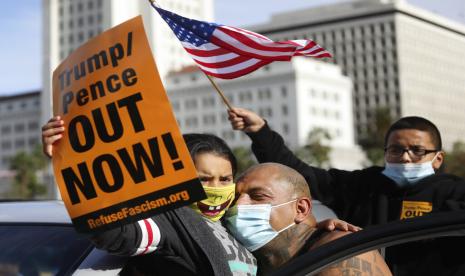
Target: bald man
x,y
273,219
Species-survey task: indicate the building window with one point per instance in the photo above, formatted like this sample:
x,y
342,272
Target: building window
x,y
71,24
19,127
207,102
191,104
90,19
71,8
285,128
70,38
283,91
228,135
209,119
192,122
80,21
33,126
33,141
20,143
90,5
81,37
284,110
6,129
6,145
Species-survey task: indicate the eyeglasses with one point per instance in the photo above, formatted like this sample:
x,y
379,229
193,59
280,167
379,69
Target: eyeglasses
x,y
416,153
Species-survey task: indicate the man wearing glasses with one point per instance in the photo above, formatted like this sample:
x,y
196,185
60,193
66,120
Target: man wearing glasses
x,y
408,186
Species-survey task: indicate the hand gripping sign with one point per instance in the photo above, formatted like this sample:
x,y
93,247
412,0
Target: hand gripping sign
x,y
122,157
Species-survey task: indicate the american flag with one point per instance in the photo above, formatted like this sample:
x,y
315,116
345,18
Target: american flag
x,y
229,52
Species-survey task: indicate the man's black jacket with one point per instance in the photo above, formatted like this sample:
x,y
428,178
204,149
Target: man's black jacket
x,y
364,197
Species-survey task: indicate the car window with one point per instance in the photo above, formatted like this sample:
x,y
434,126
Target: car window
x,y
40,249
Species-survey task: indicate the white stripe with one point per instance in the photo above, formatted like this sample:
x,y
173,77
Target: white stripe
x,y
211,59
237,44
204,47
145,237
156,237
250,34
231,69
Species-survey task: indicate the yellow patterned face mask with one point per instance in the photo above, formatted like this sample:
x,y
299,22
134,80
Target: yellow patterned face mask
x,y
217,201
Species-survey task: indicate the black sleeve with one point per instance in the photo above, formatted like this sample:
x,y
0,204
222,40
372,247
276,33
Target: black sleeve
x,y
330,187
138,238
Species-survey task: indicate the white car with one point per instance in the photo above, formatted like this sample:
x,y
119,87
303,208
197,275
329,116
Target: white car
x,y
37,238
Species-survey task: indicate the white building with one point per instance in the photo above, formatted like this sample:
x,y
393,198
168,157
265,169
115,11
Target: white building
x,y
295,97
19,131
68,24
19,125
398,56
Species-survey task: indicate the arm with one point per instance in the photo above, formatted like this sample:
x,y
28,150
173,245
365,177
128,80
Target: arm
x,y
139,238
268,146
369,263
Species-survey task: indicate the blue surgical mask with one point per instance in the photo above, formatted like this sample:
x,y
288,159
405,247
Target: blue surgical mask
x,y
250,224
408,173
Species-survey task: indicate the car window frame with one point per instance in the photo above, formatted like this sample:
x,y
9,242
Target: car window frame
x,y
441,224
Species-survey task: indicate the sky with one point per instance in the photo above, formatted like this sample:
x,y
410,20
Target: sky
x,y
21,31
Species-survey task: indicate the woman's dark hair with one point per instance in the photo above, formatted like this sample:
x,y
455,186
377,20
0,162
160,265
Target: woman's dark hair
x,y
418,123
198,143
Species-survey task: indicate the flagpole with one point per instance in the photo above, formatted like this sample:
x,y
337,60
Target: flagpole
x,y
225,100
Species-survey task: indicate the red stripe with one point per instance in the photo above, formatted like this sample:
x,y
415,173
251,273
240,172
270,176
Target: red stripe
x,y
223,44
225,63
251,33
150,234
207,53
253,44
239,73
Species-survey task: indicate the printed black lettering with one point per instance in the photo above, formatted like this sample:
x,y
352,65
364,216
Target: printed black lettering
x,y
96,61
114,168
87,131
136,166
97,90
101,125
79,70
129,77
82,97
116,53
130,102
113,84
82,182
67,99
129,44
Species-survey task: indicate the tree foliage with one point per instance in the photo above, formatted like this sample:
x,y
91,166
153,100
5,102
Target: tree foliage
x,y
316,151
26,166
372,142
244,159
455,160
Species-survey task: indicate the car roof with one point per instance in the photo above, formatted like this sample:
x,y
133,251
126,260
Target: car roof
x,y
52,211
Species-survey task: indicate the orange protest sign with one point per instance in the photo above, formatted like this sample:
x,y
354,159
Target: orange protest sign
x,y
122,157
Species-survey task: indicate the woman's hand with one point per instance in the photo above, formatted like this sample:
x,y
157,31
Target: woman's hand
x,y
337,224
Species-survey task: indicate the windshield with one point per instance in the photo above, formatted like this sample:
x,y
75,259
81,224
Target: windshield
x,y
39,249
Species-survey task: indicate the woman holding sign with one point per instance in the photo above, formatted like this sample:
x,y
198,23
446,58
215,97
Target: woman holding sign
x,y
181,241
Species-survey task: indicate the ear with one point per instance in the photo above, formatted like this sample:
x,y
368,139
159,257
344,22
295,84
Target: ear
x,y
438,161
303,208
